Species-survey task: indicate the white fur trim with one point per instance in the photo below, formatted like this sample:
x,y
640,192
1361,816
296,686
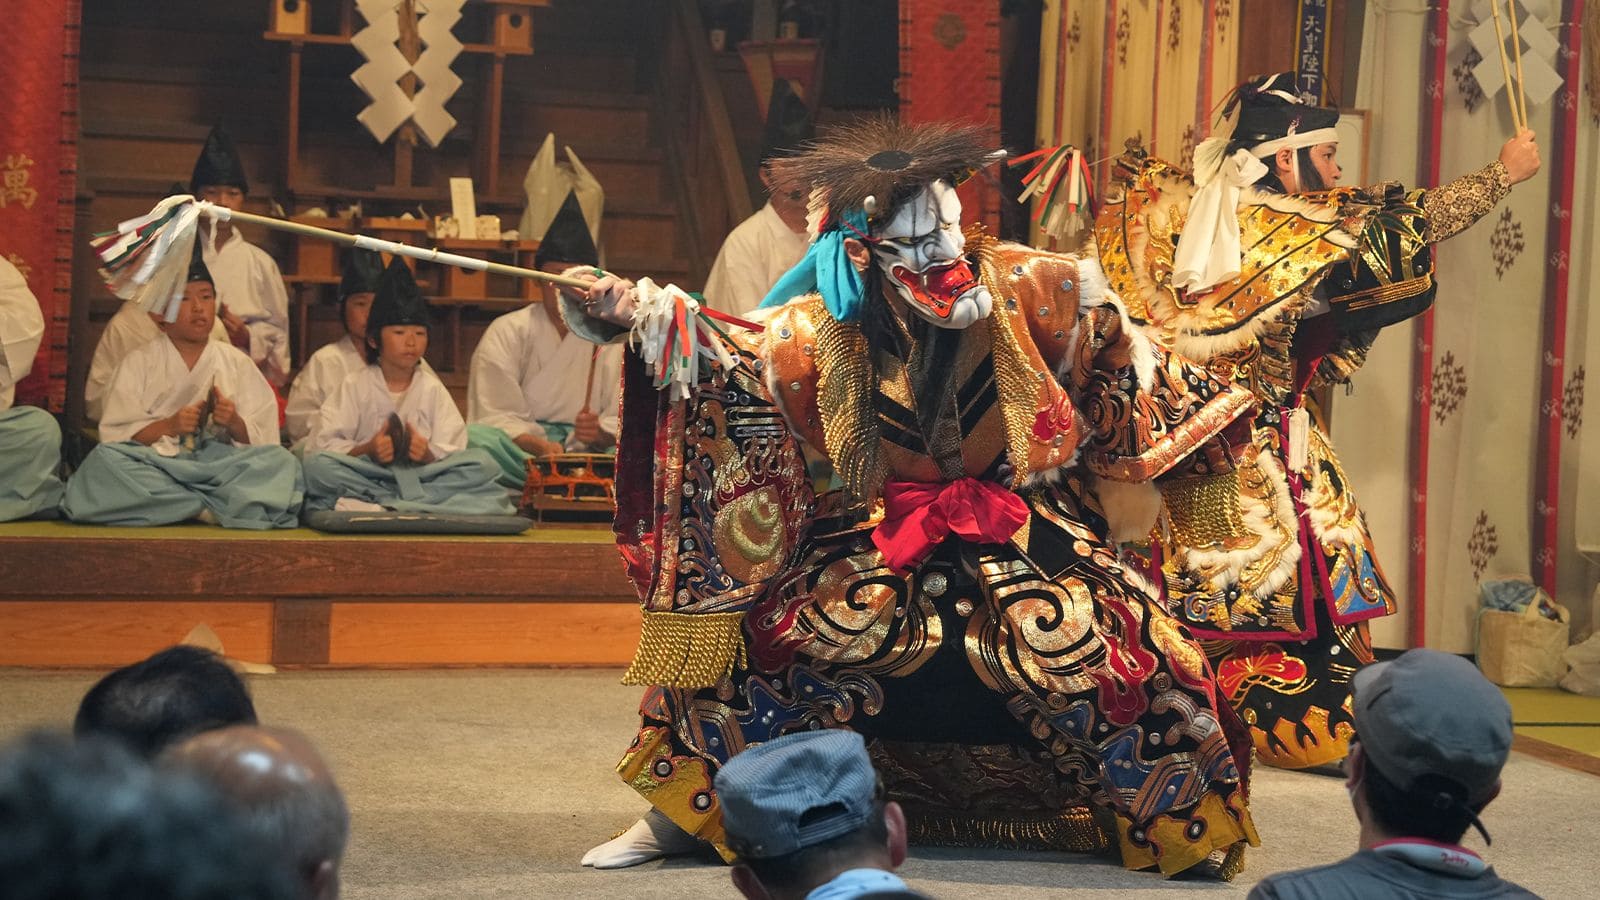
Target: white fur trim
x,y
1136,577
1140,348
1271,523
1093,286
1051,477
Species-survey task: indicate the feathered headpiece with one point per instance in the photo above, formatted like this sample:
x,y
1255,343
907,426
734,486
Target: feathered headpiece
x,y
887,162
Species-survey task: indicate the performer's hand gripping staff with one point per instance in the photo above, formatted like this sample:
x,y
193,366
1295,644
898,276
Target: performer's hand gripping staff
x,y
1520,155
146,258
669,329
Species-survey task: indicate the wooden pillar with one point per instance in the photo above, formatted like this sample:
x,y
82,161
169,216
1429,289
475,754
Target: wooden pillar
x,y
291,131
405,140
80,350
489,140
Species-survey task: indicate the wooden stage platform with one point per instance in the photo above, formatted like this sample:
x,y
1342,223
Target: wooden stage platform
x,y
74,595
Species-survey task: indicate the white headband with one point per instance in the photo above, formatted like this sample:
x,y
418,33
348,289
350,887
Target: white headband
x,y
1293,141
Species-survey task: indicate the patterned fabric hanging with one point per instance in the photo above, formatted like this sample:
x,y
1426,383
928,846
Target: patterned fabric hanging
x,y
38,172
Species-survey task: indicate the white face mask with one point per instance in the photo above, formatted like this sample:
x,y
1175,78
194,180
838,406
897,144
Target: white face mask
x,y
920,251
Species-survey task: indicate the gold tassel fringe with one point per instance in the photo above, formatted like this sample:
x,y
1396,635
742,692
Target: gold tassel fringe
x,y
687,650
1204,511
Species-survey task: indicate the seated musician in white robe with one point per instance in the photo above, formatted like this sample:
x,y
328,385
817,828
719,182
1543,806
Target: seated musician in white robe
x,y
391,437
127,331
535,388
759,250
30,439
332,364
189,431
253,304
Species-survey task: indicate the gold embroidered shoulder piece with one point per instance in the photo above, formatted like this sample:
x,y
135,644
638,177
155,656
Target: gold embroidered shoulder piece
x,y
821,377
1289,243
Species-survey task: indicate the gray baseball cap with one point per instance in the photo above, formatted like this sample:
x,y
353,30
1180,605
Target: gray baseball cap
x,y
795,791
1431,713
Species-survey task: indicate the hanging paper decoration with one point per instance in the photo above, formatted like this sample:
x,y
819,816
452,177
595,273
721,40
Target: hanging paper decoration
x,y
439,83
146,258
386,65
1522,36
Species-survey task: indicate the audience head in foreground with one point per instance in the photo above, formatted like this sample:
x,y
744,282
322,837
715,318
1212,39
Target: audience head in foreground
x,y
285,795
805,813
1432,735
86,820
178,692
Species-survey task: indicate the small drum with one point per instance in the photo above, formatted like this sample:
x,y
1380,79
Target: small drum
x,y
572,482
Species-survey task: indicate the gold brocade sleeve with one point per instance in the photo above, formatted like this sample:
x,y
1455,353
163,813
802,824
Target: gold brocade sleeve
x,y
729,503
1147,408
1453,207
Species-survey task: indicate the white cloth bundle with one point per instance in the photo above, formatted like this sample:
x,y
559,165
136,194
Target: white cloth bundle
x,y
1208,253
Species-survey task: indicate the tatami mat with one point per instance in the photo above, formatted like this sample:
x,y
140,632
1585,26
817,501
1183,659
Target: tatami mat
x,y
1554,716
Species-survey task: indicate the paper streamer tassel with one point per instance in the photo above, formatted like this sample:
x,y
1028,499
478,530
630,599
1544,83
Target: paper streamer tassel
x,y
1060,187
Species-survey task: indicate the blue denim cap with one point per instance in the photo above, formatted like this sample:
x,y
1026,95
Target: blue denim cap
x,y
1432,713
796,791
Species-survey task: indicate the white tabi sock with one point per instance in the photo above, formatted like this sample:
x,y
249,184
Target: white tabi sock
x,y
652,837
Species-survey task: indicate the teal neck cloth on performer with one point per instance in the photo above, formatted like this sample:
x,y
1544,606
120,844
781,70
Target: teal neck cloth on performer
x,y
826,268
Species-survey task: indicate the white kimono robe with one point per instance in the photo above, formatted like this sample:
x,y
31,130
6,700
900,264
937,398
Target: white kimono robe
x,y
128,330
249,284
153,382
361,405
123,482
30,439
525,373
458,482
318,379
752,259
527,378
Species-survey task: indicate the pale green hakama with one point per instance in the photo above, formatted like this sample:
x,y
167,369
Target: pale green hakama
x,y
122,482
240,487
30,454
460,481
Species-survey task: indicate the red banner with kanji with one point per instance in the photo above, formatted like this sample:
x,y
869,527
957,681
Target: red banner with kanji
x,y
950,71
38,171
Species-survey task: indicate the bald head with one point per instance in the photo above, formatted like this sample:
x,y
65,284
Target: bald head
x,y
285,790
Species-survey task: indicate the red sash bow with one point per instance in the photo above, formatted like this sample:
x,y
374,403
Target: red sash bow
x,y
918,515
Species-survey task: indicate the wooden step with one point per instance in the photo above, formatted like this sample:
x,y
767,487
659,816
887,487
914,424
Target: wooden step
x,y
556,596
